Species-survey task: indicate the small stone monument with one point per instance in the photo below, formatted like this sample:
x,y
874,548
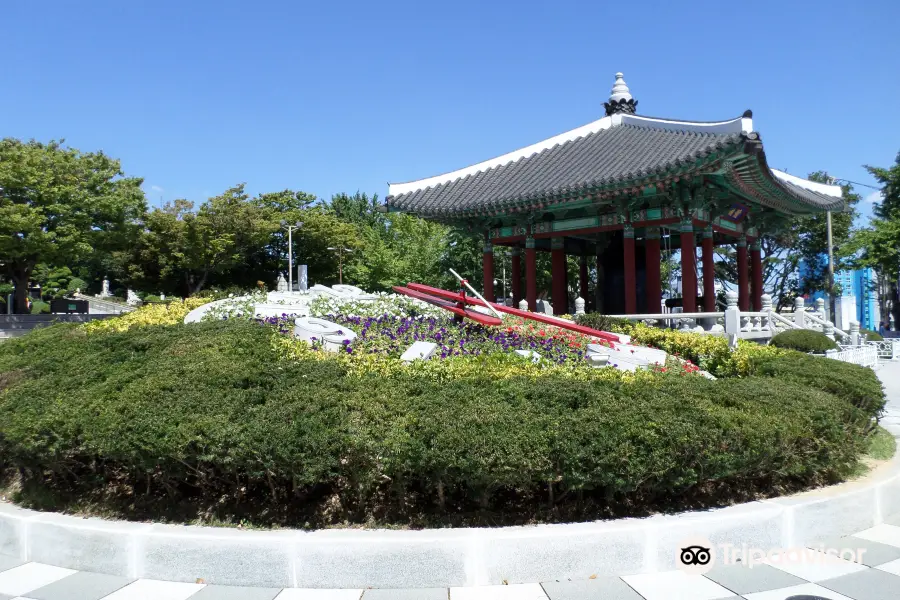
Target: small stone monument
x,y
132,298
281,284
302,277
104,292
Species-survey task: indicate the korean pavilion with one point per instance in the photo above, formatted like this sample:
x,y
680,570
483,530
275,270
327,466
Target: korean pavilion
x,y
607,190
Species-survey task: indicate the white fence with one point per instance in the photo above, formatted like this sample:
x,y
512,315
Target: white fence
x,y
866,355
763,324
887,349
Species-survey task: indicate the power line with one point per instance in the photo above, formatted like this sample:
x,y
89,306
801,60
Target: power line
x,y
836,179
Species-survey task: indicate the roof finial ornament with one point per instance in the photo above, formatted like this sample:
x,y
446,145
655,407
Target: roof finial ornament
x,y
620,99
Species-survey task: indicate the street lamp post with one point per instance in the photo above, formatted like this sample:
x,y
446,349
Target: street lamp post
x,y
340,252
290,229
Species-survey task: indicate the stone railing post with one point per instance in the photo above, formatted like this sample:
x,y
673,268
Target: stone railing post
x,y
828,330
799,313
732,316
579,306
854,333
523,304
766,307
820,308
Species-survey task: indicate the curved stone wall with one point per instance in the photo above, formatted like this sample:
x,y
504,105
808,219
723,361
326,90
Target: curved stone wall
x,y
438,558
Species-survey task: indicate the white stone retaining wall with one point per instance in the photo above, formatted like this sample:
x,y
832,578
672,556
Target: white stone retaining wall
x,y
343,558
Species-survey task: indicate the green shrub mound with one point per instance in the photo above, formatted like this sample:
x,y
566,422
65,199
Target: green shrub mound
x,y
872,336
803,340
856,385
207,422
602,322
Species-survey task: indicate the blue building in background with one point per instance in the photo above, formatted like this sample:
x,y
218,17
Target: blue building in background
x,y
858,300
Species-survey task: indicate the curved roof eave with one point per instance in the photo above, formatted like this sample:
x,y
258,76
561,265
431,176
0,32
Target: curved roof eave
x,y
743,124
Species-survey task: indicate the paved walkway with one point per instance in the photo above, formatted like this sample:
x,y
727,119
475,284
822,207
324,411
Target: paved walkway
x,y
875,577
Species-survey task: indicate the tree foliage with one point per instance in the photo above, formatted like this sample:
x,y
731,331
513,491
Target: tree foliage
x,y
59,205
878,246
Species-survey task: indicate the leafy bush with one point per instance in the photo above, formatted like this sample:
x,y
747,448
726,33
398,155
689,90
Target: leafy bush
x,y
170,313
39,307
216,420
76,283
872,336
153,299
803,340
604,322
858,386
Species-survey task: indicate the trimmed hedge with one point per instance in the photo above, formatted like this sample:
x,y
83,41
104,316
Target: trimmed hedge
x,y
872,336
603,322
210,421
804,340
858,386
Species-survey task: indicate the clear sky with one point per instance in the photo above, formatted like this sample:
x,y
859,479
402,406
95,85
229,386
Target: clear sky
x,y
326,97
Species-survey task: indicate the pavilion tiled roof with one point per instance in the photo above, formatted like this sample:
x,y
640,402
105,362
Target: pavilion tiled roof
x,y
615,151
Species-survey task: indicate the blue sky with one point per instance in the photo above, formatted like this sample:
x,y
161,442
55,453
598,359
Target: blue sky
x,y
329,97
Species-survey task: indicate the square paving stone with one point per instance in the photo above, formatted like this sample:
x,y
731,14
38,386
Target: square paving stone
x,y
676,585
601,588
9,562
884,534
23,579
876,553
515,591
81,586
150,589
742,579
234,592
866,585
408,594
807,589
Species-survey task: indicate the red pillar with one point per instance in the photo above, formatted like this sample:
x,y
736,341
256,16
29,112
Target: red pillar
x,y
530,274
756,266
488,267
558,273
630,275
516,258
688,268
583,278
654,259
709,272
743,291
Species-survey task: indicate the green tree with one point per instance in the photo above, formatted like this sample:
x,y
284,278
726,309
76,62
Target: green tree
x,y
879,245
58,204
184,250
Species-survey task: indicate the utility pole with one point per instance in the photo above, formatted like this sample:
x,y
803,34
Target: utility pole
x,y
831,303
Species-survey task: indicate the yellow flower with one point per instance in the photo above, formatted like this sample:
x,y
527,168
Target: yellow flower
x,y
151,314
